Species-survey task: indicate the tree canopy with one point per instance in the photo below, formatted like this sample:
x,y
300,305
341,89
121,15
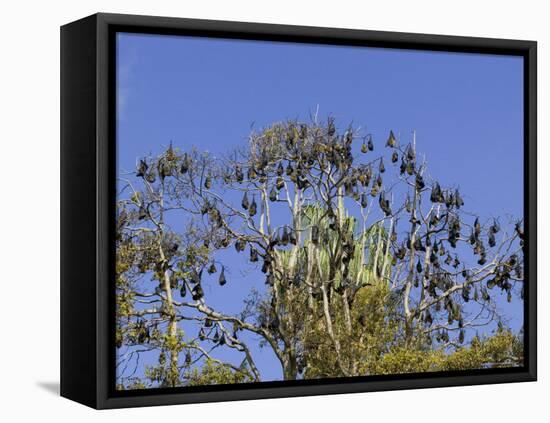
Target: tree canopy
x,y
364,263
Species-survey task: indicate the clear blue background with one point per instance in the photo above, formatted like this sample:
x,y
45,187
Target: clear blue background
x,y
466,109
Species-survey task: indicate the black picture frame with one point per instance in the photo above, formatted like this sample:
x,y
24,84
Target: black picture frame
x,y
87,208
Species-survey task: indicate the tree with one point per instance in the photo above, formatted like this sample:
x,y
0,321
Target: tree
x,y
360,274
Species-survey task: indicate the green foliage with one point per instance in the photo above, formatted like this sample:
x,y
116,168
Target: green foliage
x,y
374,328
504,349
214,373
133,383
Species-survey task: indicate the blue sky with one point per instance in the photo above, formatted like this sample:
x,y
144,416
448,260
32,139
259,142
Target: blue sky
x,y
466,109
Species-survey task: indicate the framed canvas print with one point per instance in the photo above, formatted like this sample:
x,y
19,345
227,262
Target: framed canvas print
x,y
255,211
